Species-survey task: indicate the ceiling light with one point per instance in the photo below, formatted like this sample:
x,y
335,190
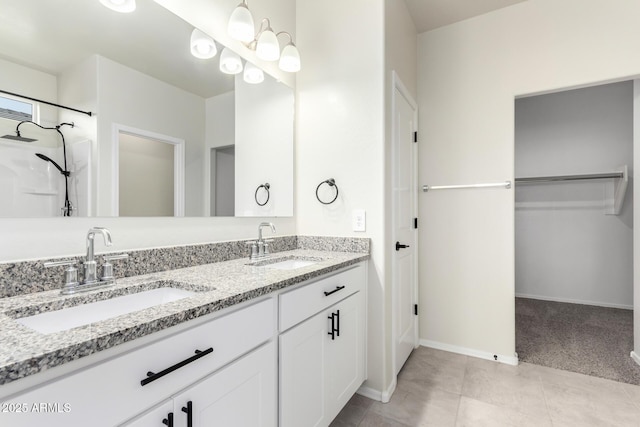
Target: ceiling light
x,y
241,25
123,6
202,46
230,62
253,74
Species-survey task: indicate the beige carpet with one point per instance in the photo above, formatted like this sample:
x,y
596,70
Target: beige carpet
x,y
590,340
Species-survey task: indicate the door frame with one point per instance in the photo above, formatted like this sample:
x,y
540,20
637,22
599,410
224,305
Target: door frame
x,y
178,165
398,87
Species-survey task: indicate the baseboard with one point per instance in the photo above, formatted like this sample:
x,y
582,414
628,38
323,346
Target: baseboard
x,y
381,396
576,301
508,360
636,357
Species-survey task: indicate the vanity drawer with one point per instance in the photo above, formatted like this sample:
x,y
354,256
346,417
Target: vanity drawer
x,y
303,302
116,383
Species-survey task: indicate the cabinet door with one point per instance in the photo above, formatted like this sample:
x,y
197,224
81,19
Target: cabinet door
x,y
345,354
320,371
243,394
155,417
302,373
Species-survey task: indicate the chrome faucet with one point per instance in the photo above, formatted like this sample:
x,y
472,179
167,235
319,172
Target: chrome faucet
x,y
260,247
90,266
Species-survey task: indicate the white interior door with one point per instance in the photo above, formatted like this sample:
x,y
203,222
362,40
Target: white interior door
x,y
404,126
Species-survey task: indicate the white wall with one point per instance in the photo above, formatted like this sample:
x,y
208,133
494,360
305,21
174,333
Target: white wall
x,y
567,248
220,126
128,97
469,74
340,135
263,147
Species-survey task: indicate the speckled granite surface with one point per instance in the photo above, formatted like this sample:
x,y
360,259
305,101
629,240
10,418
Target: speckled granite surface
x,y
218,285
31,276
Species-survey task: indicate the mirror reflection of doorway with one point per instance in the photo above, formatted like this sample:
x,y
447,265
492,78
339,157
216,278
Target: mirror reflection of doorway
x,y
223,181
149,174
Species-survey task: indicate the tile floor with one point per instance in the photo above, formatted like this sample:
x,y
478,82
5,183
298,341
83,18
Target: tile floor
x,y
437,388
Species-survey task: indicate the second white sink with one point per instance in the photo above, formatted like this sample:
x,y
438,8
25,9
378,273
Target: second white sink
x,y
84,314
290,264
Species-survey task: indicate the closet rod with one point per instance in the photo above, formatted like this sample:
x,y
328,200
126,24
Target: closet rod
x,y
506,184
570,177
88,113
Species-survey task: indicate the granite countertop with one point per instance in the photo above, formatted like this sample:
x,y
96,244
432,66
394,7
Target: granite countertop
x,y
24,352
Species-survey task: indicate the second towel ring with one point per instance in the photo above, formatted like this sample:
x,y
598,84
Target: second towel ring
x,y
266,187
331,183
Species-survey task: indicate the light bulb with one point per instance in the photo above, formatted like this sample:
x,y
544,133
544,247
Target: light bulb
x,y
241,25
123,6
202,46
253,74
290,59
230,62
268,48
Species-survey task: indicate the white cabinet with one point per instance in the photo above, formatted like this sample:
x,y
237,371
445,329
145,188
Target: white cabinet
x,y
113,391
322,359
243,394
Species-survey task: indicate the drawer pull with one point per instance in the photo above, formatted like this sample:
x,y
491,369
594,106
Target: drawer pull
x,y
169,420
151,376
338,288
189,411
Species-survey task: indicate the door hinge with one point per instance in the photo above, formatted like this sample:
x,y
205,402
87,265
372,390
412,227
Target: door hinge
x,y
415,137
415,223
415,309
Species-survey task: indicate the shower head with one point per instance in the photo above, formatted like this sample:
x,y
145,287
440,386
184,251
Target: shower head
x,y
48,159
18,138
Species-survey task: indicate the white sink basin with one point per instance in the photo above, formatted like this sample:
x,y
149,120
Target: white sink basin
x,y
84,314
290,264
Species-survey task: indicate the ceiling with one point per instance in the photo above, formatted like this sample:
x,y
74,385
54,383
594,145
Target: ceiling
x,y
431,14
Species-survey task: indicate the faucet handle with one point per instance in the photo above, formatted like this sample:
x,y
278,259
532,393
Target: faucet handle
x,y
267,251
254,249
107,267
70,273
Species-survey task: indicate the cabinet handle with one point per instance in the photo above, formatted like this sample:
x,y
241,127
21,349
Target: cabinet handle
x,y
338,288
333,326
151,376
189,411
338,323
169,420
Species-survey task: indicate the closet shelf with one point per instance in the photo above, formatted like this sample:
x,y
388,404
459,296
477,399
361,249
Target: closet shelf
x,y
620,180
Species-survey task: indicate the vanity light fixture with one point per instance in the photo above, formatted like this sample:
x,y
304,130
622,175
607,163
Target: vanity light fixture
x,y
230,62
241,25
123,6
202,46
252,74
265,41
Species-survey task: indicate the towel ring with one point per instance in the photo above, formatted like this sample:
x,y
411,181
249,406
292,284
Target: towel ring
x,y
266,187
332,183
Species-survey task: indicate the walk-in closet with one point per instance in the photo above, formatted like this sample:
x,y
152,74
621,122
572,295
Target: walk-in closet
x,y
574,230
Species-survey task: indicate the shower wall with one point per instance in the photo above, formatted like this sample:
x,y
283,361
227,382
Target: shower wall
x,y
34,188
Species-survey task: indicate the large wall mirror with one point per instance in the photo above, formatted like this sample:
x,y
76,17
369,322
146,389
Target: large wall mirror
x,y
169,133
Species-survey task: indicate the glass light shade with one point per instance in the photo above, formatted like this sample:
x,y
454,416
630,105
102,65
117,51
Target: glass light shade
x,y
290,59
230,62
268,48
241,25
253,74
123,6
202,46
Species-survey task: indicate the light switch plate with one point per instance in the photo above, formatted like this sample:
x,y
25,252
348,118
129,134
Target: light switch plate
x,y
359,220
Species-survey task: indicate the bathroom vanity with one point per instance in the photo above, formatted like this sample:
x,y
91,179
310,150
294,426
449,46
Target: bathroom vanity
x,y
275,342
